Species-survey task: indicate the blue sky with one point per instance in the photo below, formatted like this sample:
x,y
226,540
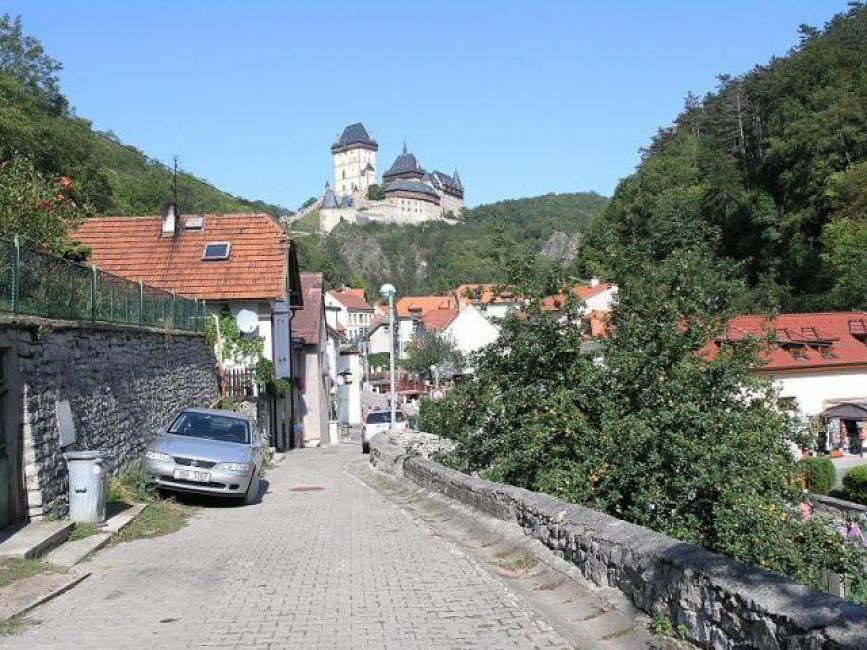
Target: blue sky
x,y
523,98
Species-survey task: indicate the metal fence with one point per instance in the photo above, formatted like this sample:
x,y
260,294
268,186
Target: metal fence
x,y
38,283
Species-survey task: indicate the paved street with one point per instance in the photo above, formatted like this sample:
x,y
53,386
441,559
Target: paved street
x,y
332,564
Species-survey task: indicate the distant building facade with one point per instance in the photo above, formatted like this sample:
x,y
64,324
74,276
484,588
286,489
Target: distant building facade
x,y
411,194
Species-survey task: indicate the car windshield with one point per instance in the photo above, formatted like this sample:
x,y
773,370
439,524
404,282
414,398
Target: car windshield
x,y
384,417
212,427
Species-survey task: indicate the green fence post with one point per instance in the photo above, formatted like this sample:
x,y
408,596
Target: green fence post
x,y
92,294
170,322
16,274
140,303
204,314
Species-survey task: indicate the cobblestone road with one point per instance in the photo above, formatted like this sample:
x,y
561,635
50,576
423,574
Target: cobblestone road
x,y
331,567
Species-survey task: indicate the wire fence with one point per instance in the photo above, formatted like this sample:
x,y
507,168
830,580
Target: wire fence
x,y
37,283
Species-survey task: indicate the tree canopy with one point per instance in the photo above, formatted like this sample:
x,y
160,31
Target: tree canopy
x,y
770,169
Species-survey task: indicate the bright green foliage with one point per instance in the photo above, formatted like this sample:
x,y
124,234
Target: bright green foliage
x,y
378,360
234,346
855,484
762,169
820,474
436,257
432,349
661,435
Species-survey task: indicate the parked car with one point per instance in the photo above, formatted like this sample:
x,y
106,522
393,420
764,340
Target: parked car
x,y
378,421
208,451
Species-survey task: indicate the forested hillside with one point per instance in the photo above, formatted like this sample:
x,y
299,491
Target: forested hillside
x,y
37,123
770,169
434,257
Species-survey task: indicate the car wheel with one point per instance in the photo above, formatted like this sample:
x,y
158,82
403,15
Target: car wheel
x,y
253,489
365,447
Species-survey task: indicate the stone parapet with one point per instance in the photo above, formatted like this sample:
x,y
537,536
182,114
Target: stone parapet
x,y
721,602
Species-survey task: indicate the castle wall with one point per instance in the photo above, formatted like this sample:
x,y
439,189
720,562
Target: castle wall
x,y
449,203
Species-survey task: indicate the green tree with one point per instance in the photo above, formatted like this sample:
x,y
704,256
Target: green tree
x,y
375,192
432,349
23,58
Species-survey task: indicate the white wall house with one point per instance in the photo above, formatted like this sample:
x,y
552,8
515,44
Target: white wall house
x,y
469,330
353,315
816,360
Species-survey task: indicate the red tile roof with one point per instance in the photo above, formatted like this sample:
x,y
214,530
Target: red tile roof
x,y
438,319
409,305
352,299
307,322
583,291
134,248
805,340
484,293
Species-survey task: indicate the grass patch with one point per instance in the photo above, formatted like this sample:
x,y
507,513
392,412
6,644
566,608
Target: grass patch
x,y
82,530
160,517
522,563
16,625
13,569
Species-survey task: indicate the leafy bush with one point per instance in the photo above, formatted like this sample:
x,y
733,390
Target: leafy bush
x,y
820,474
855,484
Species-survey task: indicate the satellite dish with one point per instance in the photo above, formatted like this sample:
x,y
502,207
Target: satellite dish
x,y
247,320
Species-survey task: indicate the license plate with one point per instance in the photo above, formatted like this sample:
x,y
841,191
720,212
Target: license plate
x,y
192,475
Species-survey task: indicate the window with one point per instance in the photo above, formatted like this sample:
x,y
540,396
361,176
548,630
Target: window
x,y
194,223
211,426
217,251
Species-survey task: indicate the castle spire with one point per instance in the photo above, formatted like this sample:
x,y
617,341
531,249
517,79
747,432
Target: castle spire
x,y
404,146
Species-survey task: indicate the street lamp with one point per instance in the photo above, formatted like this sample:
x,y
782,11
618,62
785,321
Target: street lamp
x,y
388,291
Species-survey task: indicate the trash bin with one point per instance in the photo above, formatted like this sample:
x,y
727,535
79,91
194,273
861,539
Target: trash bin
x,y
88,484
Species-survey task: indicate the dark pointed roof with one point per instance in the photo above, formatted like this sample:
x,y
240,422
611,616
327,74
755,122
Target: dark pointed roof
x,y
448,184
354,136
405,163
329,199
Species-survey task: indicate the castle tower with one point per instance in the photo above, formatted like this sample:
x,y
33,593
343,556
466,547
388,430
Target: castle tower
x,y
354,155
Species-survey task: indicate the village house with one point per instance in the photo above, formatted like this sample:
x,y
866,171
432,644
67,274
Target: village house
x,y
818,363
353,314
234,262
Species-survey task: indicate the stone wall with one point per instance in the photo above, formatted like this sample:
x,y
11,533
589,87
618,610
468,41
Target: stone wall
x,y
121,383
838,508
722,603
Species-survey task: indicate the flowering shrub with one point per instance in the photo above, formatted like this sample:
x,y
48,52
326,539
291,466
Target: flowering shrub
x,y
35,206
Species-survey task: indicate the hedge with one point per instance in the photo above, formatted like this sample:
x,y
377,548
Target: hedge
x,y
820,474
855,484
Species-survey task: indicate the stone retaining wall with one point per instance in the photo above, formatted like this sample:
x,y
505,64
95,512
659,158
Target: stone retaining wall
x,y
838,508
121,383
722,602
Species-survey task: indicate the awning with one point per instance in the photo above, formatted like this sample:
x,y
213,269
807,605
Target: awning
x,y
846,412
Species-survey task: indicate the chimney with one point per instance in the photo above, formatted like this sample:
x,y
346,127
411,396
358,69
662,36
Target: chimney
x,y
171,220
594,282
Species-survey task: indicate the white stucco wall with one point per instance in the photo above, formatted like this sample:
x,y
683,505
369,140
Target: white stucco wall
x,y
350,393
602,301
379,340
470,331
814,388
261,308
349,171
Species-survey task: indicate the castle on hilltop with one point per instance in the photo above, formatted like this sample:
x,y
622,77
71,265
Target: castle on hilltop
x,y
408,194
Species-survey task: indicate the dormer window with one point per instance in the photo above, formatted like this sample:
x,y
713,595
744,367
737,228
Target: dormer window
x,y
216,251
796,350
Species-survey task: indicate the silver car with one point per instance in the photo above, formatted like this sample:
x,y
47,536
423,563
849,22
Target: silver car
x,y
208,452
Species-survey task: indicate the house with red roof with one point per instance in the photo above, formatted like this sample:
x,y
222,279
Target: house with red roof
x,y
235,262
818,362
352,313
466,327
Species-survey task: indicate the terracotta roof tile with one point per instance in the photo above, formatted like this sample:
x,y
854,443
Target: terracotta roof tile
x,y
352,299
804,340
410,305
307,322
134,248
438,319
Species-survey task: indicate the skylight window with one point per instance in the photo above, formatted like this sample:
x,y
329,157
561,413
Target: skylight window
x,y
194,223
217,251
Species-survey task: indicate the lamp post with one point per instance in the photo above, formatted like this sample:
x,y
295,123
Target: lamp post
x,y
388,291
